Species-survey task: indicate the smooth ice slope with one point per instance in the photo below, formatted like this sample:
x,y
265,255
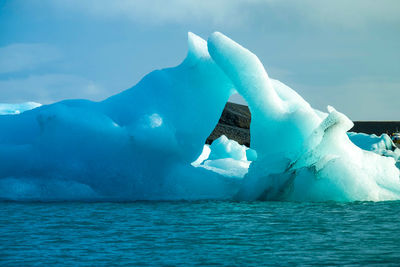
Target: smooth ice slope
x,y
141,144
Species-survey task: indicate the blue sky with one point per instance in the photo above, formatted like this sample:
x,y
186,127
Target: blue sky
x,y
342,53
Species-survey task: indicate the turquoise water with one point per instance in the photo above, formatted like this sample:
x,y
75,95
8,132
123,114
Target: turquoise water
x,y
199,233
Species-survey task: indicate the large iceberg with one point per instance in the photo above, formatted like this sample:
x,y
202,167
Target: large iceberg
x,y
147,143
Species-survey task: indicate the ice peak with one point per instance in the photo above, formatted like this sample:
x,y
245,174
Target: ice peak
x,y
197,48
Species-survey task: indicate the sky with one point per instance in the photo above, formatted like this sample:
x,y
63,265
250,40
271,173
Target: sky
x,y
340,53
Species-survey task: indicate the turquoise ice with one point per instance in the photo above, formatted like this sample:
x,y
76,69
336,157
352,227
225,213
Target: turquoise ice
x,y
142,144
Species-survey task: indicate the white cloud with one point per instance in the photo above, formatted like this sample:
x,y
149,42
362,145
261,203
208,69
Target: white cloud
x,y
49,88
19,57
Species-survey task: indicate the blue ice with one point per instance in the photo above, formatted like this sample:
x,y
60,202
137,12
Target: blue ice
x,y
147,143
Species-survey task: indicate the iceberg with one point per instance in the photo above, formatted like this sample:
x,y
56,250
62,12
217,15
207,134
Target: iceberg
x,y
147,143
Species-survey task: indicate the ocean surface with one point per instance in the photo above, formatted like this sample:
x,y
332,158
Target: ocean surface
x,y
200,233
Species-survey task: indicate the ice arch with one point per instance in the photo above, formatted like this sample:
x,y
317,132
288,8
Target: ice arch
x,y
302,153
138,145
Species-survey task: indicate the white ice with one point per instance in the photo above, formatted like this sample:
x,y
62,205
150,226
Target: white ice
x,y
226,157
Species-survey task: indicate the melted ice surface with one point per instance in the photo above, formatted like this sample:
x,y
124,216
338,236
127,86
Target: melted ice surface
x,y
142,144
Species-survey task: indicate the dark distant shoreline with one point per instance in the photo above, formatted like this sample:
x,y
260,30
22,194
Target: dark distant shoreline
x,y
235,124
376,127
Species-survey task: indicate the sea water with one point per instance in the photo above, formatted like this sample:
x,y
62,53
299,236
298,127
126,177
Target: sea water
x,y
199,233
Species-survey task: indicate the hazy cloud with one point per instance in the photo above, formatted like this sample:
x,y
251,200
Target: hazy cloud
x,y
350,14
19,57
49,88
158,11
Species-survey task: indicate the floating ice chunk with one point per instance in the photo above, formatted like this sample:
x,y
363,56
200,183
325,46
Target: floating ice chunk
x,y
12,109
225,157
381,145
225,148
